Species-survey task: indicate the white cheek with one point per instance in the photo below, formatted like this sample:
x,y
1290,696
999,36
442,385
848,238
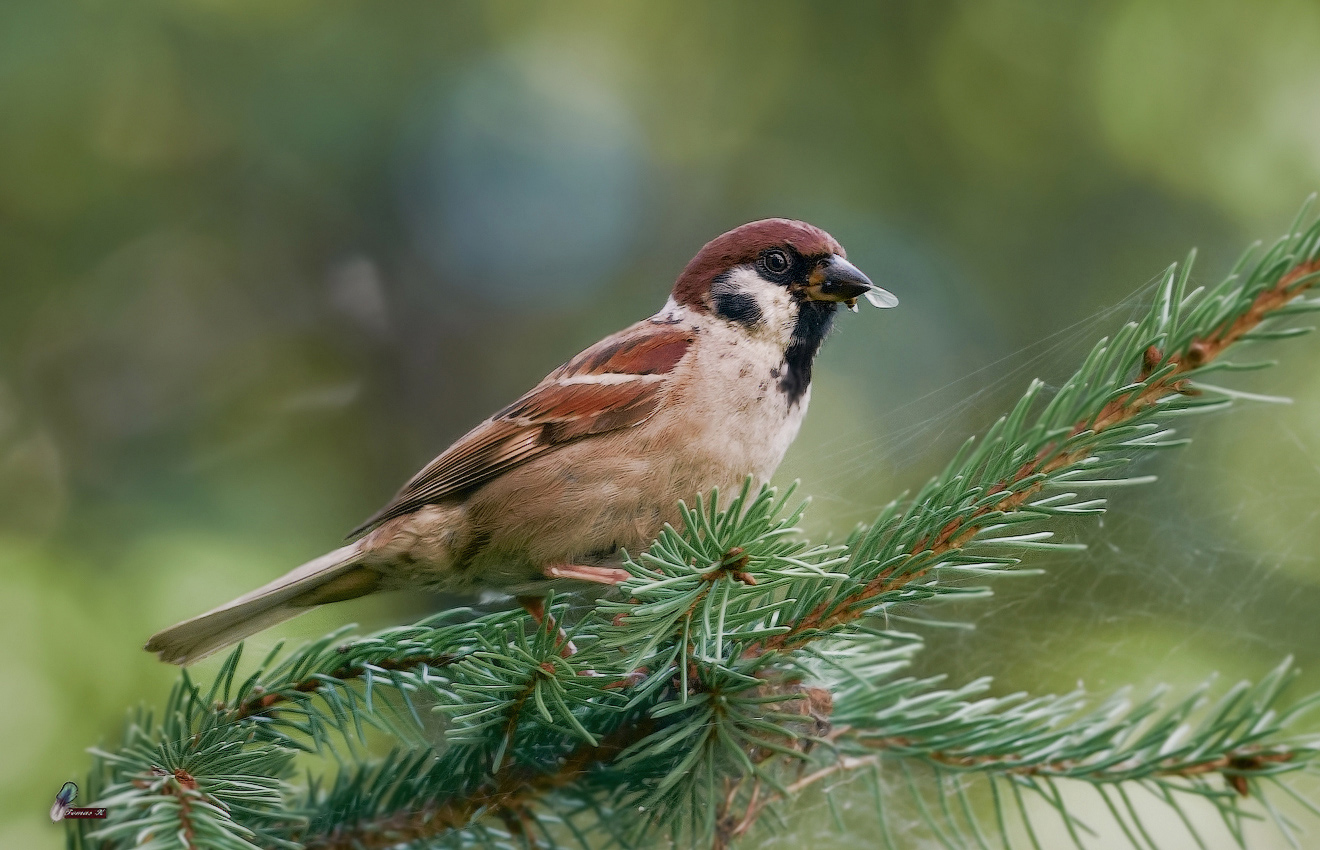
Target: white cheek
x,y
778,308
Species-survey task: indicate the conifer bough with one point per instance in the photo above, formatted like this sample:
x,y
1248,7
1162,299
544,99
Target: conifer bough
x,y
742,665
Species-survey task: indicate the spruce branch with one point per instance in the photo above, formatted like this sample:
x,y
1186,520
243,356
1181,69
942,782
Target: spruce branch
x,y
1175,751
192,781
1095,423
742,664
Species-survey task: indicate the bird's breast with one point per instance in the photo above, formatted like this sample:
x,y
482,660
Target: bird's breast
x,y
734,406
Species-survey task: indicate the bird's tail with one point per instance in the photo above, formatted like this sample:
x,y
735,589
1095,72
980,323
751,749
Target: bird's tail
x,y
333,577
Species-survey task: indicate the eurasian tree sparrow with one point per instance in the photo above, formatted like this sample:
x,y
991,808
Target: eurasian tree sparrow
x,y
596,457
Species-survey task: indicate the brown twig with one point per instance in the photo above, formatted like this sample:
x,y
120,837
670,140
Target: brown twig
x,y
1235,764
180,785
261,701
733,564
512,790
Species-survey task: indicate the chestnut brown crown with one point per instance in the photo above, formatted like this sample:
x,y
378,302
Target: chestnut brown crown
x,y
744,245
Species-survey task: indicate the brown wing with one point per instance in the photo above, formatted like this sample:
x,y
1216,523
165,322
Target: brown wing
x,y
617,383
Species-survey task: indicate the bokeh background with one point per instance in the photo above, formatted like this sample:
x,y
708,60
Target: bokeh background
x,y
261,260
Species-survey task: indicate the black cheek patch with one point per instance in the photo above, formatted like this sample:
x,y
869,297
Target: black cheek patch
x,y
738,307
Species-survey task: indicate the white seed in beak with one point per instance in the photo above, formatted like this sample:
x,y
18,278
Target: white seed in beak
x,y
882,298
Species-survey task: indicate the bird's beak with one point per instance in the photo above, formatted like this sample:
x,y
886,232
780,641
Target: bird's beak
x,y
836,279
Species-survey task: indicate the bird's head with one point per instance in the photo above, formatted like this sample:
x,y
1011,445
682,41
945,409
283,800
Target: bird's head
x,y
765,275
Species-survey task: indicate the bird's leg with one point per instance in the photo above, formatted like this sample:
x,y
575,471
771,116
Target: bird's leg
x,y
599,575
535,605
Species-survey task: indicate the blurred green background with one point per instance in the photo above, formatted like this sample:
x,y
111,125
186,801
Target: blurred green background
x,y
261,260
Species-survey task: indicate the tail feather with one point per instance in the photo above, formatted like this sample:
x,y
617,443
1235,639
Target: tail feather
x,y
333,576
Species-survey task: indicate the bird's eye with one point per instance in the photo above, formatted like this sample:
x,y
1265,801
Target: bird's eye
x,y
776,262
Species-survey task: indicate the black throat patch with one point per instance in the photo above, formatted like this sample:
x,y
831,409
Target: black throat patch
x,y
815,318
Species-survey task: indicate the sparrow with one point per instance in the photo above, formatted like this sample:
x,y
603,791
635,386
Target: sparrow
x,y
596,457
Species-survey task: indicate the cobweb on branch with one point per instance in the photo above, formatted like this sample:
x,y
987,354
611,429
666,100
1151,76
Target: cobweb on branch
x,y
1173,588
